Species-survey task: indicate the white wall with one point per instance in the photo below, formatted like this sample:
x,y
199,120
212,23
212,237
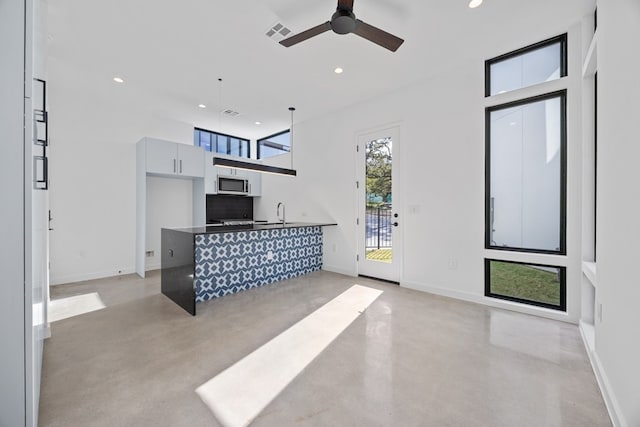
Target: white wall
x,y
618,205
169,204
442,164
94,129
442,167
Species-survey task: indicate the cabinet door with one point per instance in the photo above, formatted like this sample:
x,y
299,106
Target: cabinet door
x,y
162,157
210,175
255,184
190,161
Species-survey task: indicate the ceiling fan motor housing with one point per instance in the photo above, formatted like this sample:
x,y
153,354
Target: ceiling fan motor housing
x,y
343,22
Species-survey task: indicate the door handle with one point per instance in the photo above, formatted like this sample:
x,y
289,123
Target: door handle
x,y
180,166
395,224
174,165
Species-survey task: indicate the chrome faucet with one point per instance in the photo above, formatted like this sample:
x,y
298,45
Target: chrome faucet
x,y
278,212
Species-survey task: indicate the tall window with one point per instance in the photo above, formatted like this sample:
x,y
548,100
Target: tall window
x,y
526,164
526,146
274,145
221,143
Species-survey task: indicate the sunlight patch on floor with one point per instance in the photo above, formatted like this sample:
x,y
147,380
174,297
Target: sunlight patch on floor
x,y
64,308
238,394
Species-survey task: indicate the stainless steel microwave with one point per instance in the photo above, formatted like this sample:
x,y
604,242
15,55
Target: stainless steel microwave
x,y
233,185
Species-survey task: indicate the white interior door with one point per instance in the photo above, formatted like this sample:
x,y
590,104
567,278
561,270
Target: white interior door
x,y
379,217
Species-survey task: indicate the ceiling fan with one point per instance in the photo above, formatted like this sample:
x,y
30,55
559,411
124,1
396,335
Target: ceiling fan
x,y
344,21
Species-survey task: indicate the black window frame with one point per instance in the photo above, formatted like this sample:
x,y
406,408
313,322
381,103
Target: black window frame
x,y
259,142
248,156
562,278
562,39
562,94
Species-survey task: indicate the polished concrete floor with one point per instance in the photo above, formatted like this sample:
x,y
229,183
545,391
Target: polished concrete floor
x,y
411,359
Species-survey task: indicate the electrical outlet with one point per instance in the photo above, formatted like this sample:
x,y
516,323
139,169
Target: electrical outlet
x,y
150,254
453,264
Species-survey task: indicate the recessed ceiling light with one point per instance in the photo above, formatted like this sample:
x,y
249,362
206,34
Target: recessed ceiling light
x,y
475,3
118,80
338,70
258,123
202,106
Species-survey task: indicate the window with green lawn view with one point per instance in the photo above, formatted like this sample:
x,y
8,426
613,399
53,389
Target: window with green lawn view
x,y
526,173
540,285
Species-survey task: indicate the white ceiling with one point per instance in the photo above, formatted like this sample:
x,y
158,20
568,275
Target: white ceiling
x,y
171,53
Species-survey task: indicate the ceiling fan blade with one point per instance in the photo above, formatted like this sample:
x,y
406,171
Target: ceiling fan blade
x,y
345,5
311,32
378,36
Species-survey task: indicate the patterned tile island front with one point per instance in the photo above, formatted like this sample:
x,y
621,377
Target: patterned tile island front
x,y
225,260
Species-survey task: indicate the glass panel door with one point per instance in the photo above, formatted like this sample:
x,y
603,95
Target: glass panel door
x,y
379,219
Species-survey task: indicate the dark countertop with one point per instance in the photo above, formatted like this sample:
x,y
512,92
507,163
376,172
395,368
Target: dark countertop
x,y
211,229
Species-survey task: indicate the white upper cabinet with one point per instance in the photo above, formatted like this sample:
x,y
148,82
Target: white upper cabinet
x,y
170,158
190,161
255,183
162,156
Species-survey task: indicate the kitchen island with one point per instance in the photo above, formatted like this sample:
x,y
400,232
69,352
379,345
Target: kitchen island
x,y
202,263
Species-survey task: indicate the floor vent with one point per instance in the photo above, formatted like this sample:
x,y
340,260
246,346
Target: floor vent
x,y
278,32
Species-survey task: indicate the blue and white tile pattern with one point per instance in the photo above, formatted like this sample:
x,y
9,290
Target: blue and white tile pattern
x,y
227,263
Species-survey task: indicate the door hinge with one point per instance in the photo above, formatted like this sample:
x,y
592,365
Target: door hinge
x,y
357,221
357,257
357,184
357,148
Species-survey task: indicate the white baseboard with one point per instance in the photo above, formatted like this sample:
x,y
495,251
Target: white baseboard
x,y
610,401
491,302
465,296
62,280
89,276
